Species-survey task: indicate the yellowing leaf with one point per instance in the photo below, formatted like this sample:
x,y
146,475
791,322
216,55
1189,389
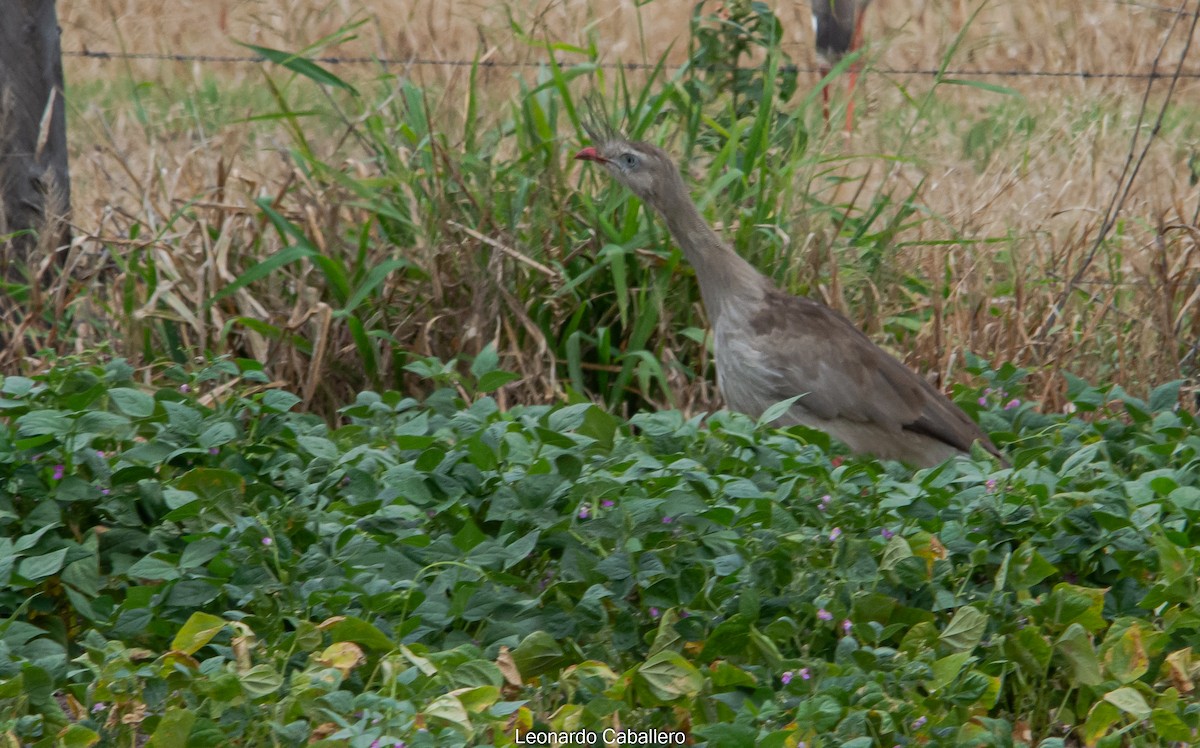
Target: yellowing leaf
x,y
344,656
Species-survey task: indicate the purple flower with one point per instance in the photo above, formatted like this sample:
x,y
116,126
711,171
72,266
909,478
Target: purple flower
x,y
608,503
214,451
983,401
886,533
100,453
267,541
99,706
991,485
786,678
804,673
846,625
919,722
653,612
667,520
58,472
105,492
684,614
835,533
184,389
1014,403
584,511
824,615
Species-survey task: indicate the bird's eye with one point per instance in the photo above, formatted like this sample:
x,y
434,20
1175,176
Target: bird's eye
x,y
628,160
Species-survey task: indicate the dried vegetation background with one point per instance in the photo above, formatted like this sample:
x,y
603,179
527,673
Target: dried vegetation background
x,y
1036,172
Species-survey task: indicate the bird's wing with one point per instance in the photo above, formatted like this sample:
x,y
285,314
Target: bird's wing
x,y
796,346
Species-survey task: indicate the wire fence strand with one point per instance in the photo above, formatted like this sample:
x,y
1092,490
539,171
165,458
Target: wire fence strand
x,y
517,64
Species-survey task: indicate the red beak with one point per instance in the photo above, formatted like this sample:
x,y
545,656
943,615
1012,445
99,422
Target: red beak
x,y
589,154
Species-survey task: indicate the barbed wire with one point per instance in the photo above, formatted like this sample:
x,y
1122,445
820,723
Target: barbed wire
x,y
515,64
1155,8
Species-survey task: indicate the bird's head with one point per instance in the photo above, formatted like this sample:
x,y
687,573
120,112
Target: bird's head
x,y
645,169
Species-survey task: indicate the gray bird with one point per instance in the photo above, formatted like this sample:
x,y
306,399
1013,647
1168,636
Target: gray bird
x,y
837,25
771,346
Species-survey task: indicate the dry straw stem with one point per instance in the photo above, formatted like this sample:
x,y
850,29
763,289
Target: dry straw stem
x,y
1008,228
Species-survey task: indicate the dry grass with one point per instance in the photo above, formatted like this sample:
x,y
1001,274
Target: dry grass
x,y
1045,187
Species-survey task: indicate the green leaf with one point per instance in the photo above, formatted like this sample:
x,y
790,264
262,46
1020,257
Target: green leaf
x,y
34,568
173,729
77,736
280,401
1069,603
1130,701
1075,646
216,435
515,552
965,630
301,66
364,633
668,677
777,410
896,550
318,446
1165,397
487,361
947,669
16,386
494,380
131,402
260,681
537,654
197,632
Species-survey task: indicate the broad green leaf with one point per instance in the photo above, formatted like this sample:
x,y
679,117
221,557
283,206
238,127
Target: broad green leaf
x,y
260,680
131,402
1130,701
196,632
447,708
667,677
78,736
280,401
1069,603
487,361
965,630
173,729
1075,646
354,629
537,653
34,568
947,669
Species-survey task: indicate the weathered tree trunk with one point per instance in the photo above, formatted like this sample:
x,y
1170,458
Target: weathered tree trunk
x,y
35,188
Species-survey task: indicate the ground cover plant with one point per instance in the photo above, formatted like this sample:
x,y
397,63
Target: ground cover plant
x,y
204,564
357,417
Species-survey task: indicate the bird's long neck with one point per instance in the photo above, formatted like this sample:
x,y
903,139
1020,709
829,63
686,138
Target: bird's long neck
x,y
724,276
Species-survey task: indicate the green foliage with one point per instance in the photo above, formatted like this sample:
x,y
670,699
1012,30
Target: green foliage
x,y
202,565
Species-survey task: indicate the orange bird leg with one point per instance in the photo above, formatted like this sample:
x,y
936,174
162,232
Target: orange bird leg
x,y
855,41
825,95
